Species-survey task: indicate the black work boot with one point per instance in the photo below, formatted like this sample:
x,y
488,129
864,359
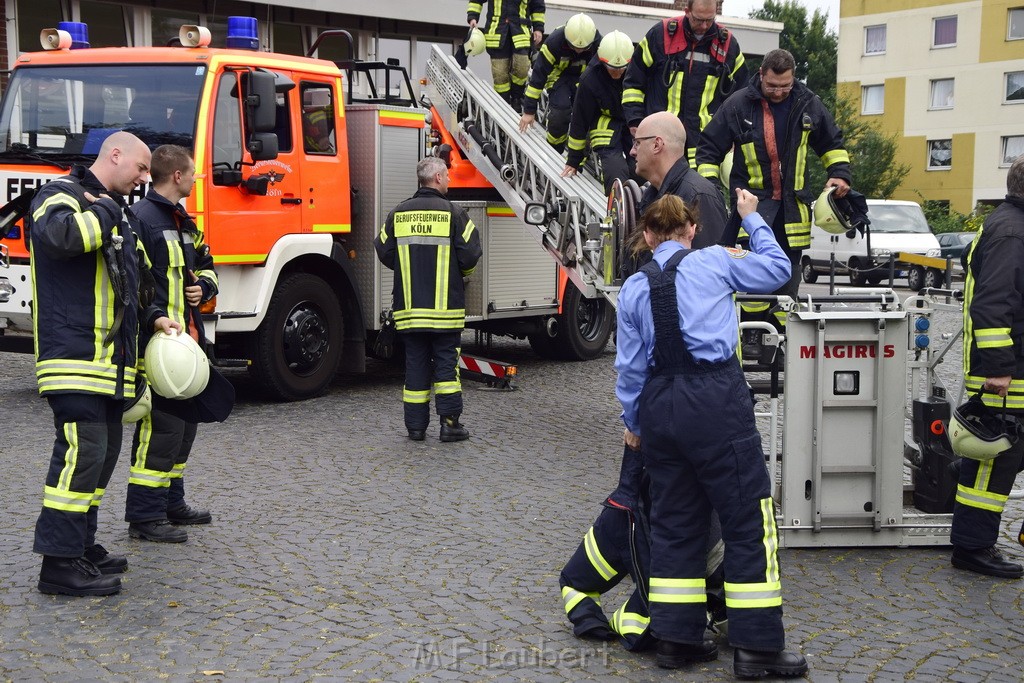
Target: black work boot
x,y
187,514
417,434
671,655
104,561
750,346
754,664
451,430
160,531
988,561
75,576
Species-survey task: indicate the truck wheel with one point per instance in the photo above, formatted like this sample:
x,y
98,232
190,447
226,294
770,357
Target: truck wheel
x,y
934,278
807,271
858,277
583,327
543,345
915,278
298,345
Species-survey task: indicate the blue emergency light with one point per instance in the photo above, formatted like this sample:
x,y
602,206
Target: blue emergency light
x,y
243,33
79,33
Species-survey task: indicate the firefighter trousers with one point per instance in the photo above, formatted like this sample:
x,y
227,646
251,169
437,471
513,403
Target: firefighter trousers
x,y
431,361
702,452
981,494
560,97
160,450
88,441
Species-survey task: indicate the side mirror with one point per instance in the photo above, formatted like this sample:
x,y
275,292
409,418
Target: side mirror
x,y
262,146
260,101
257,184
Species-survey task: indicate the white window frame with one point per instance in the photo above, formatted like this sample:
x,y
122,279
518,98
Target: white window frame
x,y
928,149
935,26
1009,23
1006,84
884,41
932,84
1003,163
864,111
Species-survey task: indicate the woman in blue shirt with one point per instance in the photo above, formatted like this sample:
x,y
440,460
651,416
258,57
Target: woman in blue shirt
x,y
682,388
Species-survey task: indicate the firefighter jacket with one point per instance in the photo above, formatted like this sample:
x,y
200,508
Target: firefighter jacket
x,y
596,112
176,247
85,272
994,305
508,17
695,190
768,172
556,63
431,244
673,71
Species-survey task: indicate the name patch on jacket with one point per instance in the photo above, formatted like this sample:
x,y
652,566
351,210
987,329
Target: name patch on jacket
x,y
423,223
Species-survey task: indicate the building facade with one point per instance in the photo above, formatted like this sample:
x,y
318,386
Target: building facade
x,y
947,78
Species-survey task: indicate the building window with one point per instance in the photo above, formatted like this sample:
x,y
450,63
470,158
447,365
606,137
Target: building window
x,y
34,15
874,40
941,94
166,23
1013,147
1015,24
318,119
944,32
1014,86
940,154
872,99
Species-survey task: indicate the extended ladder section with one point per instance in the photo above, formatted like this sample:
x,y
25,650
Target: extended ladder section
x,y
524,168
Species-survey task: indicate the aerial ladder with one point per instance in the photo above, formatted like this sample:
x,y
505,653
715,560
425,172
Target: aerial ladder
x,y
569,217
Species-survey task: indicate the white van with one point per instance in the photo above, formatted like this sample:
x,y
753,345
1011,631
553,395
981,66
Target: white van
x,y
896,226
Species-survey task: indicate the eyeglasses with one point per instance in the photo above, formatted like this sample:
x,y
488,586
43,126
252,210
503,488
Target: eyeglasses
x,y
637,141
697,21
776,88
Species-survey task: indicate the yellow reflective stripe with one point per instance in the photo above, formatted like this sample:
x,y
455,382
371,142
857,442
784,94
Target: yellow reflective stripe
x,y
677,591
645,53
546,54
552,140
572,597
90,229
632,96
422,223
150,478
798,235
752,307
675,93
836,156
708,170
992,337
55,200
103,296
70,456
708,96
474,8
597,560
177,471
444,255
447,387
384,233
1014,397
532,92
801,161
770,540
403,262
468,232
409,396
982,500
426,318
68,501
97,496
629,623
740,61
576,144
753,595
756,180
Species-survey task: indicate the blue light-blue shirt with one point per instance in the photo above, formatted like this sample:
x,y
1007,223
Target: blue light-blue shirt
x,y
705,283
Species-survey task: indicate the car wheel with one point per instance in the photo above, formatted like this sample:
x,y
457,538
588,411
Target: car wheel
x,y
915,278
808,273
934,278
858,277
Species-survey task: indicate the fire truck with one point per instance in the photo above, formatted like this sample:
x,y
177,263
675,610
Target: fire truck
x,y
298,162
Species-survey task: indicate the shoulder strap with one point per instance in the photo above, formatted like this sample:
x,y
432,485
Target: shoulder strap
x,y
720,45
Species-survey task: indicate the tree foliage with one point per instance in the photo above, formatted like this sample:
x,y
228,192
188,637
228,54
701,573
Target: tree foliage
x,y
813,45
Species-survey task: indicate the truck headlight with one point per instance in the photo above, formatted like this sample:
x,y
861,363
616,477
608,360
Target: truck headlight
x,y
6,289
881,253
934,253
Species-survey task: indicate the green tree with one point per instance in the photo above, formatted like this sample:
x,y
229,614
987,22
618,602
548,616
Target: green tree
x,y
813,45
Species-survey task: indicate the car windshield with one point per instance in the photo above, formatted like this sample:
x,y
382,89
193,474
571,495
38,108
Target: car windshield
x,y
897,218
69,112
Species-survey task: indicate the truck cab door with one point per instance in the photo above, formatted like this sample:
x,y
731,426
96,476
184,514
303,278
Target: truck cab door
x,y
324,175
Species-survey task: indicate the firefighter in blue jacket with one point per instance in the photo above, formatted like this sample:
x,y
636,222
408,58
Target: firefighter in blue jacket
x,y
557,68
431,244
86,275
183,270
684,394
507,33
687,66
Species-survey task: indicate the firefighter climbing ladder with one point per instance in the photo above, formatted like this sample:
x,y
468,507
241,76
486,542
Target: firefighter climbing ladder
x,y
524,169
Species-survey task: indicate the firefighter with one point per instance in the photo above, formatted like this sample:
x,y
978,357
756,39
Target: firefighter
x,y
685,65
317,130
684,395
557,69
184,274
431,244
508,35
771,123
86,274
597,113
993,361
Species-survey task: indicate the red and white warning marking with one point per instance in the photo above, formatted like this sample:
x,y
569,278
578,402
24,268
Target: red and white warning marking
x,y
485,370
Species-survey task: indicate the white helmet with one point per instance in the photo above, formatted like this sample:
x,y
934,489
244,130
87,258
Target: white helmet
x,y
976,432
616,50
139,407
580,31
725,169
827,215
475,42
176,366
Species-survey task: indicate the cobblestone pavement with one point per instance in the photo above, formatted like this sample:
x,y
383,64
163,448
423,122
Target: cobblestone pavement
x,y
342,551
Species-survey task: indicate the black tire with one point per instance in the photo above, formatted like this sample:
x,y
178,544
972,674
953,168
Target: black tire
x,y
875,278
807,271
858,277
543,345
583,327
934,278
298,344
915,278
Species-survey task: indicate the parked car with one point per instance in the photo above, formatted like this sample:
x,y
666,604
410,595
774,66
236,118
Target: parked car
x,y
896,226
954,243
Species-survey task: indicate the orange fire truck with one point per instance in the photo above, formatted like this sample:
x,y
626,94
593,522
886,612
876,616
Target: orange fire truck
x,y
298,162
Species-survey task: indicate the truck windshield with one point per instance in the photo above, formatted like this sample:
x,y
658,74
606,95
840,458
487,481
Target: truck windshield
x,y
897,218
67,112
